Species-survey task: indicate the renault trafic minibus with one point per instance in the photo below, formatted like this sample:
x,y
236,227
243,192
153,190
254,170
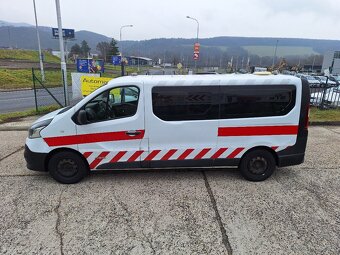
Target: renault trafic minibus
x,y
254,122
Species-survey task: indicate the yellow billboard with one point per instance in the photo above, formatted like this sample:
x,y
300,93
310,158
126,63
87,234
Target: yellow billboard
x,y
90,84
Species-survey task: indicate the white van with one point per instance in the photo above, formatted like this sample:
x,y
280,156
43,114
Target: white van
x,y
142,122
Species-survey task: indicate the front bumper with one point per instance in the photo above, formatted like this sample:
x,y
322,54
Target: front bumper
x,y
34,160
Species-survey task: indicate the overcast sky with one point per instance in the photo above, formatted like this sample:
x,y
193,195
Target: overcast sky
x,y
318,19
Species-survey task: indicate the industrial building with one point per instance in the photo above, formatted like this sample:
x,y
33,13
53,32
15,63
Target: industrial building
x,y
328,60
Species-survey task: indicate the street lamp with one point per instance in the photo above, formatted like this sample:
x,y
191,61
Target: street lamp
x,y
198,29
121,48
39,47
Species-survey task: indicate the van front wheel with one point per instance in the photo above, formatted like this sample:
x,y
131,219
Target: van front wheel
x,y
67,167
257,165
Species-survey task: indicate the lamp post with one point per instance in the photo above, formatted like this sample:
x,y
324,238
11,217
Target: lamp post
x,y
274,57
121,48
39,46
198,30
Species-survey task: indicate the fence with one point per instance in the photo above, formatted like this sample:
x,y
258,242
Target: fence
x,y
44,96
326,97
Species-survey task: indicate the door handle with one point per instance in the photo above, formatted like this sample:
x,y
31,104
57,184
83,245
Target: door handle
x,y
133,133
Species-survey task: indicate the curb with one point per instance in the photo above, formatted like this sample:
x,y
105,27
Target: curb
x,y
325,123
15,128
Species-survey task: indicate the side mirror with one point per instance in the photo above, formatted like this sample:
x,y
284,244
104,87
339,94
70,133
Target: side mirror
x,y
82,117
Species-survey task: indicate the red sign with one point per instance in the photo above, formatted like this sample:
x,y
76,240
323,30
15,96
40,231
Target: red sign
x,y
196,48
196,56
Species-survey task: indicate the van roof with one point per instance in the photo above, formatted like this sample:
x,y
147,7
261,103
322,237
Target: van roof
x,y
227,78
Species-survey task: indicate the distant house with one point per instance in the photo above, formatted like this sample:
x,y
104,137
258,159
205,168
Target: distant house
x,y
135,61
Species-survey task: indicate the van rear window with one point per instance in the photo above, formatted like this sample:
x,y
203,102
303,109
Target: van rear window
x,y
181,103
257,101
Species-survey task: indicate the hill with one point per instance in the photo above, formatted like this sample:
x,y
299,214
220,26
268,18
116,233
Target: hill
x,y
214,51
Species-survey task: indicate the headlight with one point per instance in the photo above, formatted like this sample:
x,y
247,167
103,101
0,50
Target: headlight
x,y
34,131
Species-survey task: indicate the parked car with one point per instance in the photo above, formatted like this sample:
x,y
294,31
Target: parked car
x,y
313,83
323,80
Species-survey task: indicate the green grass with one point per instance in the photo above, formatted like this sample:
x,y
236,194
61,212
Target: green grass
x,y
317,115
22,78
28,55
6,117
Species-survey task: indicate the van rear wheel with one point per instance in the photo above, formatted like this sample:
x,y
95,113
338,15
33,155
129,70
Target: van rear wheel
x,y
257,165
67,167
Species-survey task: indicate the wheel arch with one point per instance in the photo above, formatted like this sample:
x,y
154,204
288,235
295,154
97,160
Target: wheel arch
x,y
262,148
57,150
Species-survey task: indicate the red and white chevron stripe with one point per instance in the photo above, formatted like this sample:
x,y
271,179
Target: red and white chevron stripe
x,y
97,158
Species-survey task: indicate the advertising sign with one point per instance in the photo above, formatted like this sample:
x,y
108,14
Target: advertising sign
x,y
90,84
90,65
116,60
67,33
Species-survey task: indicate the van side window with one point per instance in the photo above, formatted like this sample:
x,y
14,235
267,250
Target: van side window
x,y
184,103
257,101
116,103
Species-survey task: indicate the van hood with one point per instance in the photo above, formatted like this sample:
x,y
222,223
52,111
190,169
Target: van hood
x,y
50,115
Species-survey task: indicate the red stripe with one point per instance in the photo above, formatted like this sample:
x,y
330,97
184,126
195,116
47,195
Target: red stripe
x,y
92,138
118,156
185,154
275,148
202,153
152,155
235,152
218,153
135,156
99,159
87,154
168,154
262,130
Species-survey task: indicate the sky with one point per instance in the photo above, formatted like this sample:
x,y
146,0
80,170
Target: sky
x,y
316,19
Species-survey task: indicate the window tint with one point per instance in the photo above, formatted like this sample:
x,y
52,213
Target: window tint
x,y
112,104
257,101
185,102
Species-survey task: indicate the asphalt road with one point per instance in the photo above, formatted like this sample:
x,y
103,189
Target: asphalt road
x,y
18,100
296,211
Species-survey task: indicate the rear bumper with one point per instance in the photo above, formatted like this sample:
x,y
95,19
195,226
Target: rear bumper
x,y
291,160
34,160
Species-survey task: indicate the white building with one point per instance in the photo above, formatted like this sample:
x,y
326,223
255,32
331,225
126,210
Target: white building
x,y
328,59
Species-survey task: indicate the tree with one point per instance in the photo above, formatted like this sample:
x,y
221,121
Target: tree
x,y
113,47
85,49
75,50
104,48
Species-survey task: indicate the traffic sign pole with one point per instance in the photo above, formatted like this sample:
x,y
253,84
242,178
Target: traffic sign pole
x,y
62,54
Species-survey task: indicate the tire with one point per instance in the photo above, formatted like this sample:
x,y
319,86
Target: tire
x,y
257,165
67,167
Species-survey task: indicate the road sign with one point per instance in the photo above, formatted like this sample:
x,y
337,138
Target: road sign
x,y
67,33
196,56
116,60
179,66
197,48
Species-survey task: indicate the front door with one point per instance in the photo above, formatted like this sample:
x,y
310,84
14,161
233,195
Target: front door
x,y
112,138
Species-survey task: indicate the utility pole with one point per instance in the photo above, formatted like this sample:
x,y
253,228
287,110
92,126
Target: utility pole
x,y
39,46
62,54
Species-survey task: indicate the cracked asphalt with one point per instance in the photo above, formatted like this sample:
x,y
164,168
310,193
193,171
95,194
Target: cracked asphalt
x,y
296,211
